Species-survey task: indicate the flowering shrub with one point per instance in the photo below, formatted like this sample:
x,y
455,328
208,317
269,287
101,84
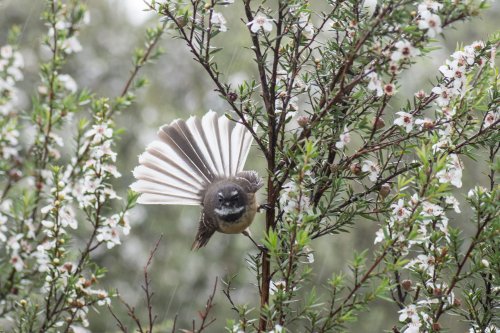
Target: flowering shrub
x,y
57,202
338,152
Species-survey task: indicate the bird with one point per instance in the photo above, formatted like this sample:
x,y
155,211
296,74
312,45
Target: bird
x,y
200,162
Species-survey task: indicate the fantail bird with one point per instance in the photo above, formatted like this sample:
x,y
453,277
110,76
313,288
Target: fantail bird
x,y
200,162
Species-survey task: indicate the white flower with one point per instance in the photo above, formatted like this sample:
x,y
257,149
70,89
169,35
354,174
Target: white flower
x,y
260,21
389,89
430,22
219,20
276,286
71,45
42,257
451,200
491,118
452,176
413,328
345,138
429,5
306,28
110,235
426,263
237,329
100,132
399,210
102,296
13,242
369,6
404,50
476,192
493,53
410,312
380,236
17,262
430,209
68,82
3,228
58,140
372,168
67,217
425,123
375,84
444,95
79,329
309,254
277,329
453,171
293,198
467,56
102,150
111,169
405,120
485,263
9,135
6,51
453,70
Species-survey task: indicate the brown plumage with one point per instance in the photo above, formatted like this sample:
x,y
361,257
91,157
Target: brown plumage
x,y
200,162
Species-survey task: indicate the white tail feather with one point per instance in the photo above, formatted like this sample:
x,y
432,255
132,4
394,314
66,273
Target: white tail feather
x,y
210,127
225,141
156,199
190,155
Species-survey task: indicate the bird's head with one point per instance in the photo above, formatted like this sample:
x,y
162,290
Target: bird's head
x,y
229,201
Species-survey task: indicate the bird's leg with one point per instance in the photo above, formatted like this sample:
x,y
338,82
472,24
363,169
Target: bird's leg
x,y
264,206
247,233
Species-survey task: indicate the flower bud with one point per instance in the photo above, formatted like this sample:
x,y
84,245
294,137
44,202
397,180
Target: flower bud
x,y
303,121
406,284
334,167
355,168
232,96
23,303
68,266
384,191
378,123
436,327
15,175
420,94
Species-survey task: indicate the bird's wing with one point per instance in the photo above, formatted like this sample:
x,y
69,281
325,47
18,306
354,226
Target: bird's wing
x,y
188,156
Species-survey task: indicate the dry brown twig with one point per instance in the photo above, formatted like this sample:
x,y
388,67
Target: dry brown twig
x,y
149,297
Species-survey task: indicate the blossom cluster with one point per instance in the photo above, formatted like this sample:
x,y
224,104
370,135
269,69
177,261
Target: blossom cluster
x,y
11,65
418,225
56,207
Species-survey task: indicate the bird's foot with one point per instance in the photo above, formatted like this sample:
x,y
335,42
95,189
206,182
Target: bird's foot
x,y
263,207
261,247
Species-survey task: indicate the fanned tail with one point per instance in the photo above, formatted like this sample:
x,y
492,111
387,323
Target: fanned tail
x,y
188,156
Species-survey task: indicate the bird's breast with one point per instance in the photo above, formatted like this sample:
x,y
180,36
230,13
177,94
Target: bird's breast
x,y
240,224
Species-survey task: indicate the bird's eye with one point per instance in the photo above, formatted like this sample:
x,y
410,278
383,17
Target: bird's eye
x,y
220,197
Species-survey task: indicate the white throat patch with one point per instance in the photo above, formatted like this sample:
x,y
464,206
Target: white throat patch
x,y
225,211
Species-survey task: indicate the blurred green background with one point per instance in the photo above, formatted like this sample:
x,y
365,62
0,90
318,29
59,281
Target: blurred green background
x,y
178,87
